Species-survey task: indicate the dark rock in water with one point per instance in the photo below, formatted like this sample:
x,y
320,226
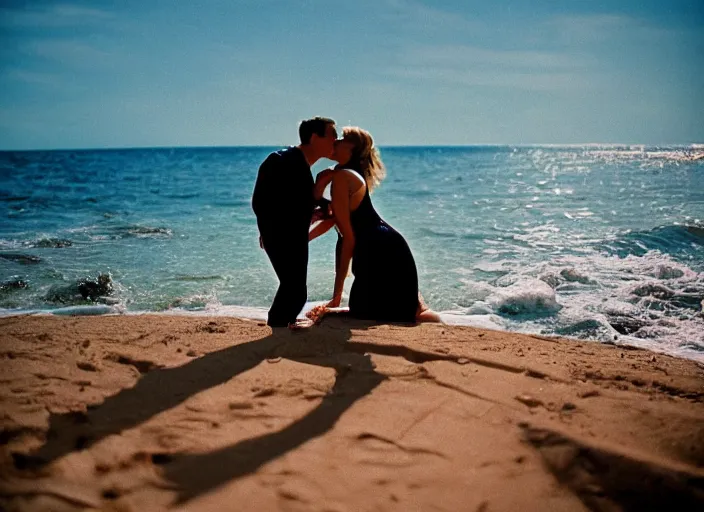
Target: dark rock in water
x,y
585,328
25,259
140,231
13,284
688,300
653,290
696,230
661,298
93,290
627,324
651,331
573,276
63,295
56,243
693,288
664,322
668,272
550,279
146,230
651,303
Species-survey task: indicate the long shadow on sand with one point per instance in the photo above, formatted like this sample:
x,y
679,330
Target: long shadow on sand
x,y
162,389
196,474
606,479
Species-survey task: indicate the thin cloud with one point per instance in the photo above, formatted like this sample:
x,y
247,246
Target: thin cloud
x,y
525,80
65,51
473,66
600,28
41,81
30,77
61,15
415,15
465,55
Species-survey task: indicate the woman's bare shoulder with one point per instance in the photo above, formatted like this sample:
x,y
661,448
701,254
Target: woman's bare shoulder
x,y
351,177
341,177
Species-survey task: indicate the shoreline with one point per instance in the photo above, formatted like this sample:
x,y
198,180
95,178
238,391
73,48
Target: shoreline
x,y
154,411
259,314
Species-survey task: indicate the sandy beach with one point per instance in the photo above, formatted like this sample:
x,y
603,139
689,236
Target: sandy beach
x,y
153,412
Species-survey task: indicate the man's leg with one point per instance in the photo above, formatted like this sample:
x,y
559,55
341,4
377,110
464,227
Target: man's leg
x,y
290,262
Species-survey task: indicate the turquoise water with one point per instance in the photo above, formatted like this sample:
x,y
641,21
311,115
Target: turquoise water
x,y
594,242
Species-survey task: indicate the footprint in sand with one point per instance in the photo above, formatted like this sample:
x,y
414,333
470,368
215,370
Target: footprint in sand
x,y
529,401
87,366
380,451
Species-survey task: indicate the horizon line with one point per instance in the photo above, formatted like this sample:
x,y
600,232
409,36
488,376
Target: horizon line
x,y
640,145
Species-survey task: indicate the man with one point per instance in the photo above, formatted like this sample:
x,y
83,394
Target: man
x,y
283,203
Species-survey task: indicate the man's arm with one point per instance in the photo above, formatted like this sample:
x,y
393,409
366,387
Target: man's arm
x,y
266,194
322,180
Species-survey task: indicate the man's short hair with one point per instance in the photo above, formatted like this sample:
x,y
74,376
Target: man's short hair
x,y
316,125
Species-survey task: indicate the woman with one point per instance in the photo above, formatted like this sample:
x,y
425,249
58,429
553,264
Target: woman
x,y
385,286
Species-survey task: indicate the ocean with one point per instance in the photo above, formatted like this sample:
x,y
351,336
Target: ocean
x,y
593,242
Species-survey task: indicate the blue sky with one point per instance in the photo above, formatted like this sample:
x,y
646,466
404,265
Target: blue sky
x,y
244,72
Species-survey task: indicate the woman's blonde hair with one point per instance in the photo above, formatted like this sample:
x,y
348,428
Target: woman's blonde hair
x,y
365,156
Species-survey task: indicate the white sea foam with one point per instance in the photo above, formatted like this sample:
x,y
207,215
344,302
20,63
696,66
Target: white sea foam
x,y
219,310
88,310
526,296
492,322
650,300
10,244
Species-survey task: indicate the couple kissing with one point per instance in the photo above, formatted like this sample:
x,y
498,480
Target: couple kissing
x,y
287,201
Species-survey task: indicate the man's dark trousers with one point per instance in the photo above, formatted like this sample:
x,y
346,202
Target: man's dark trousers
x,y
289,257
283,203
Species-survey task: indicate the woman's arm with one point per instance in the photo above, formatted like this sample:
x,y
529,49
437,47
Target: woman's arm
x,y
341,207
321,228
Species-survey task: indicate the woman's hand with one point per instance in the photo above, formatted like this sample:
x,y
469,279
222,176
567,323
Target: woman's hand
x,y
322,228
335,302
317,313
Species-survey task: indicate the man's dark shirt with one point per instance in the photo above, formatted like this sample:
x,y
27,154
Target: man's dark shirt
x,y
283,195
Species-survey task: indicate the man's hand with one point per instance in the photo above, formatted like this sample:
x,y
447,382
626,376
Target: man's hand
x,y
324,176
318,215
